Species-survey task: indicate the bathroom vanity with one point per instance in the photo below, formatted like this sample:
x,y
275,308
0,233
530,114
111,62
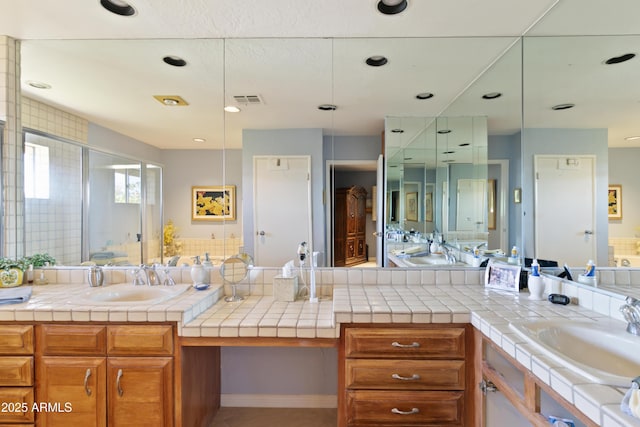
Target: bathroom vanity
x,y
403,337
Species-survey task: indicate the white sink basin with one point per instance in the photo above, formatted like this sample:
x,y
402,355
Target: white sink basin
x,y
128,294
431,260
602,351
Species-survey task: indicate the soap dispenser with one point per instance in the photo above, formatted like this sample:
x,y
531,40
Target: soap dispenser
x,y
207,263
535,282
198,273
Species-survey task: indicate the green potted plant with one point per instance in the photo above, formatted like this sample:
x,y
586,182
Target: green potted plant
x,y
40,260
11,272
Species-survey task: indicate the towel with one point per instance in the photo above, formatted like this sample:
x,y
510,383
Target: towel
x,y
631,401
15,295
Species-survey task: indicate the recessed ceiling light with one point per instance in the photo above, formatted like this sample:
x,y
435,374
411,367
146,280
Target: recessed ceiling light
x,y
562,106
199,140
619,59
391,7
171,100
397,130
424,95
443,131
118,7
491,95
231,109
175,61
376,61
38,85
464,144
327,107
632,138
448,152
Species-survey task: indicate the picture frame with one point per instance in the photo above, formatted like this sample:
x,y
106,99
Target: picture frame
x,y
428,207
502,276
491,203
411,206
213,203
614,200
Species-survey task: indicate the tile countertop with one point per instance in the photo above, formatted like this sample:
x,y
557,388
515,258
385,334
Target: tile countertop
x,y
490,311
205,314
65,303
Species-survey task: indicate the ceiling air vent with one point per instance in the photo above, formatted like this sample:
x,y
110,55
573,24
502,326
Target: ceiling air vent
x,y
248,99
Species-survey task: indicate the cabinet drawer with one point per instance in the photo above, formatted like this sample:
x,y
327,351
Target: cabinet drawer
x,y
416,408
405,343
77,340
16,339
17,404
16,371
143,340
387,374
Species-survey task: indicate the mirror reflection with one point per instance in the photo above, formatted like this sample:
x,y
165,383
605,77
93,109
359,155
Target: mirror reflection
x,y
278,85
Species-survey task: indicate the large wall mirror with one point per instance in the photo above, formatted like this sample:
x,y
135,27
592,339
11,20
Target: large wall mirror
x,y
494,93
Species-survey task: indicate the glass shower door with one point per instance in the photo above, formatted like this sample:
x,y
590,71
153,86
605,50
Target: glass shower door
x,y
114,210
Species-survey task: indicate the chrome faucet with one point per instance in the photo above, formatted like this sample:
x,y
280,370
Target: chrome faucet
x,y
631,312
478,247
448,255
146,275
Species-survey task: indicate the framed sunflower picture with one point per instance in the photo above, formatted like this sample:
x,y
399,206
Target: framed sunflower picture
x,y
615,201
213,203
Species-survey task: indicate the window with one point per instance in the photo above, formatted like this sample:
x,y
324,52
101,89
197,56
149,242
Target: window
x,y
127,185
36,171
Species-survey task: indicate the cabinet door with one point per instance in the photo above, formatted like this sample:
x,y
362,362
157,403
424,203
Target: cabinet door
x,y
74,389
352,214
140,391
16,339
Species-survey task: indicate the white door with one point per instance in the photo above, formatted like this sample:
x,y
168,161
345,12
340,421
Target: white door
x,y
471,204
379,206
282,207
564,218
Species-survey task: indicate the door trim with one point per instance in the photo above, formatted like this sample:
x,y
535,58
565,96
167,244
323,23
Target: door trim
x,y
329,193
504,199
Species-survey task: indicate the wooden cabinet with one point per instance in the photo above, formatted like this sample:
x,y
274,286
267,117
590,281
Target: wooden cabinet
x,y
105,374
16,375
405,376
349,229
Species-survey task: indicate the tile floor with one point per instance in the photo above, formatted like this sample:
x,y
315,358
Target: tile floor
x,y
275,417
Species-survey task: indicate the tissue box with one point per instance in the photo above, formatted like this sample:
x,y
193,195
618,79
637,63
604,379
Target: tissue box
x,y
285,288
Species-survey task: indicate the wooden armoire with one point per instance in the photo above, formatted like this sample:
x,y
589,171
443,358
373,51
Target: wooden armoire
x,y
349,237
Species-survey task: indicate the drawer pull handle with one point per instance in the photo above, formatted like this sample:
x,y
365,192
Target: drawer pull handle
x,y
411,412
120,391
413,377
87,375
412,345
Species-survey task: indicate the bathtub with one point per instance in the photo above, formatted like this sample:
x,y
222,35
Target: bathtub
x,y
634,260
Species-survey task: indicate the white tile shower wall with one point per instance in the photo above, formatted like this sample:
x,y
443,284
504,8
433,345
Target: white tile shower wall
x,y
53,225
216,248
50,120
13,221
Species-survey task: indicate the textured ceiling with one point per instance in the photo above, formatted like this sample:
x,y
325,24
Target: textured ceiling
x,y
299,54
